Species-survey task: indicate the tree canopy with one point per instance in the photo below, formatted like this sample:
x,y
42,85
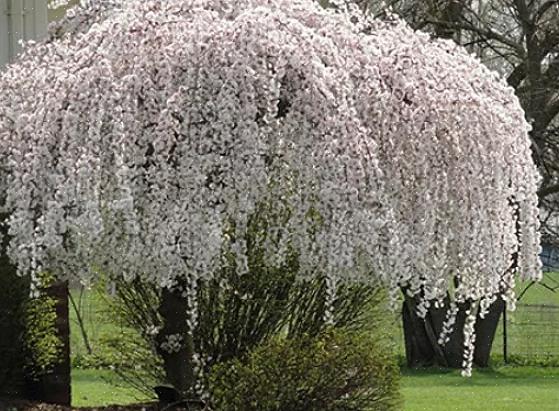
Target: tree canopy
x,y
520,39
142,137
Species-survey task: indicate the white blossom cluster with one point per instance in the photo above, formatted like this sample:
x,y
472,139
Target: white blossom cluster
x,y
153,330
55,4
173,343
142,143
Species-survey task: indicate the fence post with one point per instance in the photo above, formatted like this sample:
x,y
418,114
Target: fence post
x,y
505,348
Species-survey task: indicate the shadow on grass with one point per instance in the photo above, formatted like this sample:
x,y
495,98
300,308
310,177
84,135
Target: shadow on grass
x,y
505,375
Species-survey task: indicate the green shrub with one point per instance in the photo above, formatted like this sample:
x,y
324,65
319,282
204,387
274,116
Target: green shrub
x,y
42,344
238,312
334,371
234,320
29,345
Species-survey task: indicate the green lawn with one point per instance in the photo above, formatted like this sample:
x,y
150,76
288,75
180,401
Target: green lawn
x,y
95,321
538,293
99,387
505,389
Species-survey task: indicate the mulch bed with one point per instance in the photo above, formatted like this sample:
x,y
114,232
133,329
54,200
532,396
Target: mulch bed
x,y
33,406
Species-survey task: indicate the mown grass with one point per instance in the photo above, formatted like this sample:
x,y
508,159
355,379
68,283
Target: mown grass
x,y
538,293
96,323
502,389
100,387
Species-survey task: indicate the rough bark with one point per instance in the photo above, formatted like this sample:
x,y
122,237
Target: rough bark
x,y
485,333
14,292
421,336
449,12
178,364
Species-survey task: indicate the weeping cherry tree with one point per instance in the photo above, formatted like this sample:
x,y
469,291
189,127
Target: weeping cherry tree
x,y
141,137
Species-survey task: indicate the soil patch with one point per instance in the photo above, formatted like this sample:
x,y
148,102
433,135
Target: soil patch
x,y
34,406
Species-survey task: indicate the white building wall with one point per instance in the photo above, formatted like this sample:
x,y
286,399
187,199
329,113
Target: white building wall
x,y
4,30
20,20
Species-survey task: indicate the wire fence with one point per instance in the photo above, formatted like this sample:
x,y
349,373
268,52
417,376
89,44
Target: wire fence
x,y
531,334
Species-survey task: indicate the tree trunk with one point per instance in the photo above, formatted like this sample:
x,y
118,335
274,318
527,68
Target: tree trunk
x,y
485,333
421,335
16,380
178,361
14,294
449,14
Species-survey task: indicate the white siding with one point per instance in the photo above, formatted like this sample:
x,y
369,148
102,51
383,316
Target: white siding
x,y
4,37
20,20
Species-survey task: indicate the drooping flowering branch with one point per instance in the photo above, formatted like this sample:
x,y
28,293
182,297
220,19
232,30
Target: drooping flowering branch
x,y
142,136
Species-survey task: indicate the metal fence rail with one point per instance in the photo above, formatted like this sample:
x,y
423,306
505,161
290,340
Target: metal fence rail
x,y
533,332
532,335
